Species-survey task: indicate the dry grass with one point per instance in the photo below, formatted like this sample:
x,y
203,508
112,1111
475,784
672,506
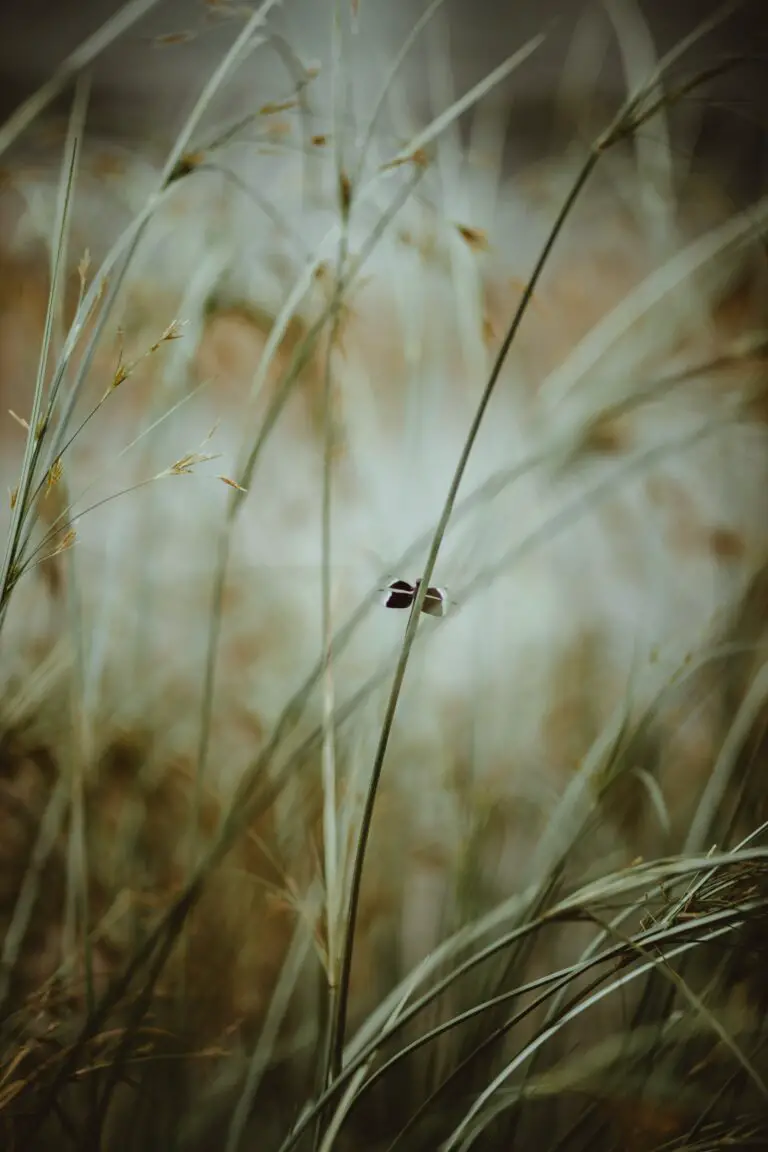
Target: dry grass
x,y
175,973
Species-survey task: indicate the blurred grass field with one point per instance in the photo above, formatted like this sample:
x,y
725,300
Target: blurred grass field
x,y
201,949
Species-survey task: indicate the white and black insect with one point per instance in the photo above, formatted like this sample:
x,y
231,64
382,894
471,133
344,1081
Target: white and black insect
x,y
401,594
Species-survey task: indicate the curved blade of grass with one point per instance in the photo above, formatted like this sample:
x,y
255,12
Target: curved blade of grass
x,y
719,921
697,1004
340,1023
476,1118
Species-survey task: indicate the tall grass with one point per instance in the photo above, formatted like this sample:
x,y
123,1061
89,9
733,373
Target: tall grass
x,y
485,1043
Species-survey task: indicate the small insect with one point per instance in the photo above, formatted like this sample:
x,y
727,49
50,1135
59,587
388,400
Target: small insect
x,y
401,594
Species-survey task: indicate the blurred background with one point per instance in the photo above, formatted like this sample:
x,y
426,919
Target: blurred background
x,y
146,83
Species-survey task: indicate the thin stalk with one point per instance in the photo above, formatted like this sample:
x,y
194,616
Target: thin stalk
x,y
33,446
340,1022
334,868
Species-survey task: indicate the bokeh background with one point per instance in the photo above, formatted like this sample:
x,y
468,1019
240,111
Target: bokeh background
x,y
144,84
